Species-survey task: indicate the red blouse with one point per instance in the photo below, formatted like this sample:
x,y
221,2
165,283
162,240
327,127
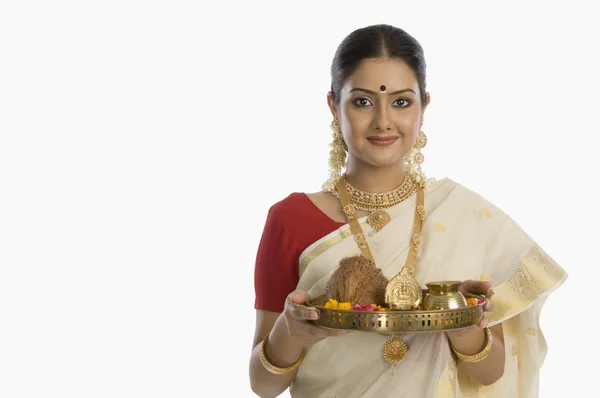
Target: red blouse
x,y
292,225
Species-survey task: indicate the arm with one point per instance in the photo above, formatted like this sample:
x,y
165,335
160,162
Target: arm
x,y
473,341
280,350
289,334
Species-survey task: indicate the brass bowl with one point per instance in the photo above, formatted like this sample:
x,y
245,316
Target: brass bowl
x,y
393,321
444,295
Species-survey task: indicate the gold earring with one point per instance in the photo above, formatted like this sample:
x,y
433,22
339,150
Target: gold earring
x,y
420,144
415,158
337,156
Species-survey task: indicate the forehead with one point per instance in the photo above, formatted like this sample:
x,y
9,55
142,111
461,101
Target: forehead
x,y
394,73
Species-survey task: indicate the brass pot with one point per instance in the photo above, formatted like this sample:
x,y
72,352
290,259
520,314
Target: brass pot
x,y
444,295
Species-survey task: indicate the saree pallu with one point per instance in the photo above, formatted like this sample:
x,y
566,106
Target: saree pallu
x,y
464,237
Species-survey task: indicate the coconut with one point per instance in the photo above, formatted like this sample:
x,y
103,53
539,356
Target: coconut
x,y
357,280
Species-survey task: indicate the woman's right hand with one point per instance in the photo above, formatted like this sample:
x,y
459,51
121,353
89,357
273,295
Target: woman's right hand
x,y
296,316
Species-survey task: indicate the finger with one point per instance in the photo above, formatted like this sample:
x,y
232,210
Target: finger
x,y
477,287
488,305
298,297
296,307
303,312
483,323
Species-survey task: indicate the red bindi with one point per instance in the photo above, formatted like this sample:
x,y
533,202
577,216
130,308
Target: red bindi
x,y
382,88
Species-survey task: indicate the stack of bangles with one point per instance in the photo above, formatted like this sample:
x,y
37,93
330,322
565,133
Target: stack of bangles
x,y
479,356
275,369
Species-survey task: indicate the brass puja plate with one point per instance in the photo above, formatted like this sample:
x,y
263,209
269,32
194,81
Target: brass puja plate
x,y
396,321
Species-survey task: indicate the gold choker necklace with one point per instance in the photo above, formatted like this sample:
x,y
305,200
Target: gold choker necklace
x,y
377,203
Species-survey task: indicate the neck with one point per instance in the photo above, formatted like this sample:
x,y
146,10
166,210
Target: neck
x,y
375,179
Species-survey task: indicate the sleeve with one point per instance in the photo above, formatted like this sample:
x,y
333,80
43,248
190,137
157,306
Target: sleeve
x,y
276,269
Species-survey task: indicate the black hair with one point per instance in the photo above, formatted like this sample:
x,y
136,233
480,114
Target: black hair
x,y
376,41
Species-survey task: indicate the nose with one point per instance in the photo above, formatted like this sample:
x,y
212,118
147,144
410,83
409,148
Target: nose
x,y
382,120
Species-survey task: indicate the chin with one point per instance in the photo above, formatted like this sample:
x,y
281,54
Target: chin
x,y
385,157
385,161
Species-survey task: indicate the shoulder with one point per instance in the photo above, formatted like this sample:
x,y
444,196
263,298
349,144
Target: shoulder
x,y
322,199
294,211
474,198
307,216
290,204
467,203
303,202
459,191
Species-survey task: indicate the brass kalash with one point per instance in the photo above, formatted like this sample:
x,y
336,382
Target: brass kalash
x,y
408,308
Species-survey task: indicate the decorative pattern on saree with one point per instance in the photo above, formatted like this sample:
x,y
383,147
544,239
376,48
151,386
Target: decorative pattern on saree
x,y
536,274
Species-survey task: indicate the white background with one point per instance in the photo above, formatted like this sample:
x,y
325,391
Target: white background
x,y
142,143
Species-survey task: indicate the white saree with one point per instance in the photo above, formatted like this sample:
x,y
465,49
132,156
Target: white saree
x,y
464,237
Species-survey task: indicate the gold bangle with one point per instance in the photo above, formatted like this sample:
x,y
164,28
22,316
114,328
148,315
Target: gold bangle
x,y
275,369
479,356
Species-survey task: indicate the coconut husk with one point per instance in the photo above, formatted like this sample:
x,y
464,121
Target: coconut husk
x,y
357,280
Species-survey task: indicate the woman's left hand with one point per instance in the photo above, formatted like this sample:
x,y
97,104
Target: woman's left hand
x,y
479,287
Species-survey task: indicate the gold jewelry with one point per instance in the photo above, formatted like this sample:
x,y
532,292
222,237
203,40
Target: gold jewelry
x,y
394,350
414,158
368,201
420,143
479,356
337,156
403,284
272,368
403,291
378,219
377,203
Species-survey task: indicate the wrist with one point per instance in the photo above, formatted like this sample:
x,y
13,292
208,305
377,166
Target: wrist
x,y
280,349
469,341
479,356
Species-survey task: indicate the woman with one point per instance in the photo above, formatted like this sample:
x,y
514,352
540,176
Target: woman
x,y
438,229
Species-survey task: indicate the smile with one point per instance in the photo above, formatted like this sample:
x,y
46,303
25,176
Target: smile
x,y
382,141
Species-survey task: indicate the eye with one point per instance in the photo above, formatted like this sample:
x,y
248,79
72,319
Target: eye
x,y
401,103
362,102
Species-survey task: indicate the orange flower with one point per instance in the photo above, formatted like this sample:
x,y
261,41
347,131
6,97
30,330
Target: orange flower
x,y
472,301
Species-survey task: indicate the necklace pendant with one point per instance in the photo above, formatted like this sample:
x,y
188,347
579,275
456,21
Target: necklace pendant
x,y
394,350
378,219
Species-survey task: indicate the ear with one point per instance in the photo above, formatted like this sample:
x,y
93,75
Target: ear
x,y
427,100
332,106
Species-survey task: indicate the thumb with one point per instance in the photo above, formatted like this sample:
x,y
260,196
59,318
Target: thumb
x,y
299,296
477,287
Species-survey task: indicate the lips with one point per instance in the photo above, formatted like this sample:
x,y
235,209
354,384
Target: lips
x,y
382,141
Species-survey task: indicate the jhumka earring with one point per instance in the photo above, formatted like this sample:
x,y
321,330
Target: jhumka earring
x,y
415,158
337,156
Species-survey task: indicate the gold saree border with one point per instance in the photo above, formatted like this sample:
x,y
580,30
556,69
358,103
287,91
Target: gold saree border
x,y
335,238
536,274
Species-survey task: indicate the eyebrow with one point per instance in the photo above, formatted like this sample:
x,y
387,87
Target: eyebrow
x,y
375,93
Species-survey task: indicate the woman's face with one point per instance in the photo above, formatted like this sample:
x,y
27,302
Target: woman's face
x,y
379,112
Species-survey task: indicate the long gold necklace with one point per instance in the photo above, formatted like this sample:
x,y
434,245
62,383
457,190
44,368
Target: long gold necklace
x,y
403,291
377,203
